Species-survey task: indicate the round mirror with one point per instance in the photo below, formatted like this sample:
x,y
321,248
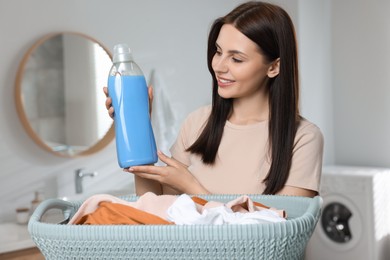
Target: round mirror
x,y
59,95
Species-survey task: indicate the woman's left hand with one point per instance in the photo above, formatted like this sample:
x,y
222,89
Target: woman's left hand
x,y
174,174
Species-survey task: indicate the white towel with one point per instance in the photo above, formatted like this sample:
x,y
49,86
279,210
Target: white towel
x,y
184,212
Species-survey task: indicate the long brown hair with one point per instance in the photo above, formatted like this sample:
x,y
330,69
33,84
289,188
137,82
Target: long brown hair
x,y
271,28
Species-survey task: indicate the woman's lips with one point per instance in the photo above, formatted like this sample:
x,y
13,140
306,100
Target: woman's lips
x,y
225,82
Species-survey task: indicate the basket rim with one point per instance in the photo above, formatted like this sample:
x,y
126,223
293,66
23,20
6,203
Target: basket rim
x,y
302,224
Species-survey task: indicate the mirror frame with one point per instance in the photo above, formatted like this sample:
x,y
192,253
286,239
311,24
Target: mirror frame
x,y
98,146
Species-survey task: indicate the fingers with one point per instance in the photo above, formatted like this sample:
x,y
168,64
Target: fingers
x,y
111,112
147,172
150,93
109,107
143,168
148,176
168,160
105,90
108,102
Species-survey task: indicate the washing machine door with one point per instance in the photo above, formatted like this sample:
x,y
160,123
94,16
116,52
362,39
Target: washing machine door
x,y
335,222
338,235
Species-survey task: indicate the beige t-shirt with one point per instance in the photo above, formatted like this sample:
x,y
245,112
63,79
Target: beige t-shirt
x,y
242,160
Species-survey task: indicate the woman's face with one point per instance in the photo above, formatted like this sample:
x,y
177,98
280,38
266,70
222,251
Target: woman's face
x,y
241,70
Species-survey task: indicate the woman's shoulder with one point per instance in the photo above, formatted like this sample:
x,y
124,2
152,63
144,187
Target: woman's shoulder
x,y
199,115
307,128
196,120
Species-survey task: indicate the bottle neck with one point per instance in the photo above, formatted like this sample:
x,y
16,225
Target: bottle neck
x,y
128,68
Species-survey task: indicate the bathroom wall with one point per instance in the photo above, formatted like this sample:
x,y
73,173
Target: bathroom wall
x,y
361,81
343,76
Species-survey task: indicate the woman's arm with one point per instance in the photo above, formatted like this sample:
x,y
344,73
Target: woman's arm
x,y
143,185
306,166
294,191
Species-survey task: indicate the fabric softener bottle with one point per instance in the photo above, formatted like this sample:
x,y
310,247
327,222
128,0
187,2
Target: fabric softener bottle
x,y
135,143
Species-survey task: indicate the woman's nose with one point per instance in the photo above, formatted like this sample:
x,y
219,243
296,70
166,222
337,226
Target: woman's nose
x,y
219,65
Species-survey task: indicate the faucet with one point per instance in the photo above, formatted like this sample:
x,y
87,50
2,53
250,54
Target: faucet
x,y
79,174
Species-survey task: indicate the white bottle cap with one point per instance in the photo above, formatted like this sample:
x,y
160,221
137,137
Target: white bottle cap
x,y
122,53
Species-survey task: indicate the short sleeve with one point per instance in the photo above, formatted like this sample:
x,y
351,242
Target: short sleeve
x,y
306,166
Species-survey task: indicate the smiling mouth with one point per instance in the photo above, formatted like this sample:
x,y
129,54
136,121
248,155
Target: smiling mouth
x,y
224,82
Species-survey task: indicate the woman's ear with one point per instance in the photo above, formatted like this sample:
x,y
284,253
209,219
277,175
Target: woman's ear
x,y
273,70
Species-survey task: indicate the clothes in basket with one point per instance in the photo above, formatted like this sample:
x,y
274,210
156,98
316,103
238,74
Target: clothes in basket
x,y
184,209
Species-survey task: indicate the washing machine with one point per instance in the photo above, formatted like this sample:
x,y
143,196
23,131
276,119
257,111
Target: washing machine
x,y
355,219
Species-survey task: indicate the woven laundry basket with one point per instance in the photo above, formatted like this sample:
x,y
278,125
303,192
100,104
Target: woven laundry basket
x,y
284,240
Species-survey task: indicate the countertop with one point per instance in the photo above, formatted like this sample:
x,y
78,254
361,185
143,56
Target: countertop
x,y
14,237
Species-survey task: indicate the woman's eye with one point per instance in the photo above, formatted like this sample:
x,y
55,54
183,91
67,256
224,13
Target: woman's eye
x,y
236,60
217,52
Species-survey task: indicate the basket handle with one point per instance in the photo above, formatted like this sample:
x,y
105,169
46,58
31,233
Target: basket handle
x,y
66,207
315,206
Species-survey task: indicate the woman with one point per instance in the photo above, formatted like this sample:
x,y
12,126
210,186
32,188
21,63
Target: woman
x,y
252,138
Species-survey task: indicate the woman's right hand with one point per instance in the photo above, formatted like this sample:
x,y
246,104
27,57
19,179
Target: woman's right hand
x,y
110,108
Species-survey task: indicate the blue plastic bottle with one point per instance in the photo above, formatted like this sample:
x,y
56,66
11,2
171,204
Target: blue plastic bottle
x,y
135,143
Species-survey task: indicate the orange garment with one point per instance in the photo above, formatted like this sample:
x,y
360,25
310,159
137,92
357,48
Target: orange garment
x,y
199,201
109,213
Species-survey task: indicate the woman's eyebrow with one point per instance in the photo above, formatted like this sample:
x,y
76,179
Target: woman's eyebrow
x,y
232,51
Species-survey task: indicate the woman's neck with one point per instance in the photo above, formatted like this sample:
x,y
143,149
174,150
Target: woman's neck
x,y
250,110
